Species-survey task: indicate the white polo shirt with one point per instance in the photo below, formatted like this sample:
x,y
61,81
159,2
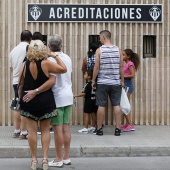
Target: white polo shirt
x,y
16,58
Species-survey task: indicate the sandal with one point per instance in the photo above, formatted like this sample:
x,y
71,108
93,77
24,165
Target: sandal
x,y
34,164
45,164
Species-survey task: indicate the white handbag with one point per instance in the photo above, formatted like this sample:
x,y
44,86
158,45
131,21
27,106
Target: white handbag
x,y
124,103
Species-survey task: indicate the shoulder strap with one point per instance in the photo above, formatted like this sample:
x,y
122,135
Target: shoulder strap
x,y
27,48
21,77
38,63
25,59
22,74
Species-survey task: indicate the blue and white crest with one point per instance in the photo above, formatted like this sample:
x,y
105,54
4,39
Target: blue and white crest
x,y
155,12
35,12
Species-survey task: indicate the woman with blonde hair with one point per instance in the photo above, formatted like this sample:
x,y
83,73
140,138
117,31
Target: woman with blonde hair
x,y
33,73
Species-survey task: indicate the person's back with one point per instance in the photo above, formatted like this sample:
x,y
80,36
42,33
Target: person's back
x,y
16,59
109,68
89,61
62,90
17,56
38,105
109,65
42,107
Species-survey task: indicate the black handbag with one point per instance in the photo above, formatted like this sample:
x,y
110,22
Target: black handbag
x,y
15,102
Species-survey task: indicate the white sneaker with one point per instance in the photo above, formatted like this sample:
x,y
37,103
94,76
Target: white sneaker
x,y
84,130
39,133
91,128
51,130
67,162
56,164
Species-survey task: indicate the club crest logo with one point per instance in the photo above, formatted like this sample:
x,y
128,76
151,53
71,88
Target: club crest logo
x,y
35,12
155,12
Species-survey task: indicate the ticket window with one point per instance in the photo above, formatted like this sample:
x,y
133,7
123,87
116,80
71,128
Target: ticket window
x,y
149,46
94,39
45,39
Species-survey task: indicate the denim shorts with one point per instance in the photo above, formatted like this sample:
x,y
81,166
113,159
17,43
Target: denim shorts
x,y
128,83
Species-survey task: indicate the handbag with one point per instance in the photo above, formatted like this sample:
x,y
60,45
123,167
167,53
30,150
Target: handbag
x,y
15,102
124,103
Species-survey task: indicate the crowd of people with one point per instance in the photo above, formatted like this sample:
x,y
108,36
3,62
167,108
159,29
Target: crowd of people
x,y
46,97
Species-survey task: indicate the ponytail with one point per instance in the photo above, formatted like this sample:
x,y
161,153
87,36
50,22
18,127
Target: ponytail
x,y
92,51
134,57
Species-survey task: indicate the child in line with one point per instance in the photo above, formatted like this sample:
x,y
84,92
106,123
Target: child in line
x,y
90,108
132,65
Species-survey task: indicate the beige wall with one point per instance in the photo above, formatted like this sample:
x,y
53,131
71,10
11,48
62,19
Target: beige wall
x,y
151,98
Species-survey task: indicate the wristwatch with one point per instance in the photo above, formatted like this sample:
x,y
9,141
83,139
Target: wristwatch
x,y
37,91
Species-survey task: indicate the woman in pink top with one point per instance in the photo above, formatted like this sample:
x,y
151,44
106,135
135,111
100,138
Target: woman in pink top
x,y
132,64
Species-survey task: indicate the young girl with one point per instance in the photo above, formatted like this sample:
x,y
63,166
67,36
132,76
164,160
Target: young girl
x,y
132,64
90,108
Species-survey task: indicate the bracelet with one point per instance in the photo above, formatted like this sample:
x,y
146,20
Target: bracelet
x,y
37,91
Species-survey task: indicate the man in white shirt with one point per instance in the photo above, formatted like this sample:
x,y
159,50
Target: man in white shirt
x,y
63,95
16,57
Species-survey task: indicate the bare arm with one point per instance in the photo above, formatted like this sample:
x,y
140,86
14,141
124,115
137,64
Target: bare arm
x,y
11,69
80,95
84,65
52,67
121,69
96,67
60,67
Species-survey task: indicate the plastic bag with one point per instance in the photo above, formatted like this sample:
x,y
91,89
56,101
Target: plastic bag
x,y
124,103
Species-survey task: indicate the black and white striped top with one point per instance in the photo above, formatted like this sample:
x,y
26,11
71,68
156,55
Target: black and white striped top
x,y
109,72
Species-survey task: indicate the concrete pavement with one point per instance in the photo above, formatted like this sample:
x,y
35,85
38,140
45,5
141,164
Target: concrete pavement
x,y
145,141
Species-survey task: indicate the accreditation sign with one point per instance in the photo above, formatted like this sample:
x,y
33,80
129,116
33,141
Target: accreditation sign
x,y
149,13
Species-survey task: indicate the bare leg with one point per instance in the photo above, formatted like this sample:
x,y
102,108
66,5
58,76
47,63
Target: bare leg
x,y
32,136
17,120
67,141
45,136
58,139
94,119
39,124
100,116
23,123
86,120
118,115
128,117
